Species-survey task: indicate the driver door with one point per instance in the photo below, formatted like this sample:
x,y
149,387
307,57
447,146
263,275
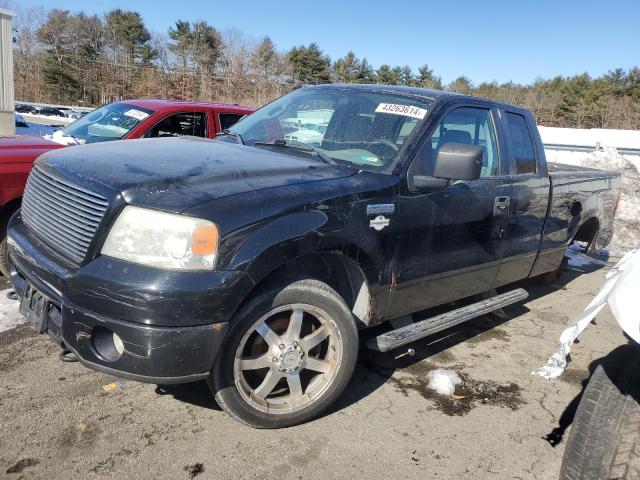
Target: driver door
x,y
449,242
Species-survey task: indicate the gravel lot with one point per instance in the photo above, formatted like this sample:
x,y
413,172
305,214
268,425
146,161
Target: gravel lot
x,y
57,420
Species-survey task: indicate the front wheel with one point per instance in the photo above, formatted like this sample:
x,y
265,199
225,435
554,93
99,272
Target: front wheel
x,y
290,353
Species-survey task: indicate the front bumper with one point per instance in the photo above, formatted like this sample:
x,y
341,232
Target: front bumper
x,y
171,323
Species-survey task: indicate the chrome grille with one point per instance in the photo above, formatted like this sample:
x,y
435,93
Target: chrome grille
x,y
62,215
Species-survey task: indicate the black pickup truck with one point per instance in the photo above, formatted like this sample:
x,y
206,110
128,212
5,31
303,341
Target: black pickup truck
x,y
255,260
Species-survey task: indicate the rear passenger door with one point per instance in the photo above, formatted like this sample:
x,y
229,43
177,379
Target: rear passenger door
x,y
529,197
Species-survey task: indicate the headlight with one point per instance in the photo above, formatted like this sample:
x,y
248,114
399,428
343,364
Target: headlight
x,y
163,240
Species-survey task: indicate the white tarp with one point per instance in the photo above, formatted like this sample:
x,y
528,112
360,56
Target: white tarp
x,y
620,290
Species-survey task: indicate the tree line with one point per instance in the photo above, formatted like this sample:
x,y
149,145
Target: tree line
x,y
65,57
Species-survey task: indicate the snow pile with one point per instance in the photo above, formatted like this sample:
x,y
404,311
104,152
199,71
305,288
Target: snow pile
x,y
9,315
627,221
443,381
590,137
59,137
578,259
55,118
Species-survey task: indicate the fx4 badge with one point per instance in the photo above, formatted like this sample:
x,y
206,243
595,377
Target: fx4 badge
x,y
379,222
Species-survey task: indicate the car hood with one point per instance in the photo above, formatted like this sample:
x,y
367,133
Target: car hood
x,y
24,148
174,174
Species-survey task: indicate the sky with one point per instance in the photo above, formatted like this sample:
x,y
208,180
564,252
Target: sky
x,y
516,40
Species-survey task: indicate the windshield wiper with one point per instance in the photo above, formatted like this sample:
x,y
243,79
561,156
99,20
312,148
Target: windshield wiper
x,y
226,131
299,146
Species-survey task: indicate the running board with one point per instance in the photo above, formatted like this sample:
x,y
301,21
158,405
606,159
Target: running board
x,y
404,335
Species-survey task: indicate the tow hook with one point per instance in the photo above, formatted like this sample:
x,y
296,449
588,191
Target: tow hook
x,y
67,356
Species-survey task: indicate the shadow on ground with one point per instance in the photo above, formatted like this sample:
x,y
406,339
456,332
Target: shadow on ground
x,y
374,369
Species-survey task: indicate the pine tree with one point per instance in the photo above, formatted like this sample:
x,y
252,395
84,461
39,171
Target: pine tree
x,y
384,75
309,65
427,79
346,69
365,72
406,76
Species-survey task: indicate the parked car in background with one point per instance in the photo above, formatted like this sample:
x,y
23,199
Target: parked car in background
x,y
116,121
70,113
253,261
20,121
51,112
28,109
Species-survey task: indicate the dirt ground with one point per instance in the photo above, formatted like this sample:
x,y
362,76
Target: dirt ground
x,y
57,420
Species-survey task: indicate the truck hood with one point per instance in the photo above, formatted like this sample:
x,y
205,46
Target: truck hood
x,y
175,174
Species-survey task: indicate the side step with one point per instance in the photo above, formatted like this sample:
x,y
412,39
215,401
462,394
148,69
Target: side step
x,y
424,328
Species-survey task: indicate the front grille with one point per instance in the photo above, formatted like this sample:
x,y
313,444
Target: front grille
x,y
64,216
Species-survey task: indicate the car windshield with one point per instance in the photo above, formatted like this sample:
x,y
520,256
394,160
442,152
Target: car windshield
x,y
361,127
111,122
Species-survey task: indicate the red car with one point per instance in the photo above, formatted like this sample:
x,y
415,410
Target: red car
x,y
124,120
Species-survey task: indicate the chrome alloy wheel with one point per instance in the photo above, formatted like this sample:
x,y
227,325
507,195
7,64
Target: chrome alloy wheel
x,y
288,358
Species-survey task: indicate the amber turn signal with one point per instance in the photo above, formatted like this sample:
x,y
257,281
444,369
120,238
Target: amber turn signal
x,y
205,240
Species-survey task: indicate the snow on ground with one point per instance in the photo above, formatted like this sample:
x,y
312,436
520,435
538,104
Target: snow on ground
x,y
579,259
627,221
9,315
53,118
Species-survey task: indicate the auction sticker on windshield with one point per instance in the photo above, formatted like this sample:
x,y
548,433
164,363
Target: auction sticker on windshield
x,y
404,110
137,114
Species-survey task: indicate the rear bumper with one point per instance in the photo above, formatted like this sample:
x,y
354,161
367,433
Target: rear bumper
x,y
83,302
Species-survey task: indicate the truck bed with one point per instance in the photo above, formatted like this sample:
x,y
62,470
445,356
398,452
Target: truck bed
x,y
562,174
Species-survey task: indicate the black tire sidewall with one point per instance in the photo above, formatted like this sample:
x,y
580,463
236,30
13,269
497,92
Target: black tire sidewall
x,y
605,419
311,292
4,253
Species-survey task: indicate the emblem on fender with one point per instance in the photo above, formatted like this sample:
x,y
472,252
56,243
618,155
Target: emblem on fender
x,y
379,222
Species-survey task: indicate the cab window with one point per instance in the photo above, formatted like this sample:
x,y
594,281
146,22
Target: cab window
x,y
227,120
520,144
181,124
472,126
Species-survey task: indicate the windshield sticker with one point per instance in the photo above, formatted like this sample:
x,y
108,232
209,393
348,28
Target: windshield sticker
x,y
404,110
137,114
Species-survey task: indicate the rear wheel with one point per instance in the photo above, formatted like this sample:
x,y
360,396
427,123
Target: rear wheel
x,y
290,353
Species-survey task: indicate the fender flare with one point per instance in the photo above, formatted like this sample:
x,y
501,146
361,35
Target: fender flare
x,y
274,243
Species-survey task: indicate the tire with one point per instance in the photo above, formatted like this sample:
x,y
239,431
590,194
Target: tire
x,y
4,254
604,441
311,367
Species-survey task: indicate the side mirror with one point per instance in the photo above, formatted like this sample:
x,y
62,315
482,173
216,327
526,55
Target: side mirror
x,y
455,161
458,161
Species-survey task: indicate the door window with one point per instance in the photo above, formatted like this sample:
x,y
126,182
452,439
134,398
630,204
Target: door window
x,y
520,144
181,124
227,120
472,126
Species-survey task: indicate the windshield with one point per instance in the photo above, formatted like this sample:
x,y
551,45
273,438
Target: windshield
x,y
111,122
361,127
